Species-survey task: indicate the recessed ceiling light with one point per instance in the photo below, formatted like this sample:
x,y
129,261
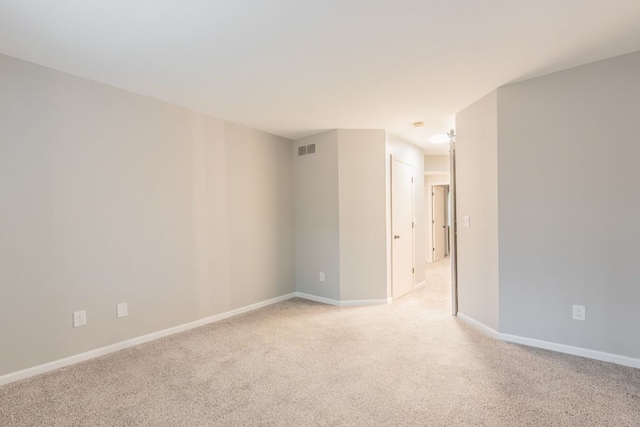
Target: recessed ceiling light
x,y
439,139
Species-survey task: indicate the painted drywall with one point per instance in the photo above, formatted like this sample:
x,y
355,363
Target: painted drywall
x,y
413,155
112,197
361,165
261,214
317,233
568,200
436,164
477,197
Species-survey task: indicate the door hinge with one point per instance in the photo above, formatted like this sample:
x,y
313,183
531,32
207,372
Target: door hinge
x,y
413,270
412,225
412,180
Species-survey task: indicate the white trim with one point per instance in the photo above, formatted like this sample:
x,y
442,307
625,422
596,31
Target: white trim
x,y
547,345
345,303
481,326
576,351
91,354
317,298
420,285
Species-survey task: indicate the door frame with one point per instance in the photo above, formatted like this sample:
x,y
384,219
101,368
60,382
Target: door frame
x,y
453,232
413,219
434,233
446,179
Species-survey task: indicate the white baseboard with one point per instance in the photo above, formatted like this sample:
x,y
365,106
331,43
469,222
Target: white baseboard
x,y
576,351
50,366
420,285
547,345
317,298
481,326
345,303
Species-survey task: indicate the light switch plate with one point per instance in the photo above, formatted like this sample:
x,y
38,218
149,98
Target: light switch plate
x,y
122,310
467,221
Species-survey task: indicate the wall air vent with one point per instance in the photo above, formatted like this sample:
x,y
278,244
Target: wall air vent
x,y
306,149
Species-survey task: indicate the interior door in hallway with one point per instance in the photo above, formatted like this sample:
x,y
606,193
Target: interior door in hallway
x,y
439,223
401,227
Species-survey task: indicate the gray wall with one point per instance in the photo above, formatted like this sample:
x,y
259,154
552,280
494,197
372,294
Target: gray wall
x,y
317,236
340,215
569,194
477,192
362,214
111,197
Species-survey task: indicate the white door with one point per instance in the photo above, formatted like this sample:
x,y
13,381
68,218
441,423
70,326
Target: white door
x,y
439,223
401,228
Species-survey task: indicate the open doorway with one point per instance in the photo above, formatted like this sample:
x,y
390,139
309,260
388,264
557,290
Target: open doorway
x,y
439,208
438,219
440,223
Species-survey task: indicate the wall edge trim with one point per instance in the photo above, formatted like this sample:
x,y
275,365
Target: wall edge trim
x,y
547,345
111,348
343,303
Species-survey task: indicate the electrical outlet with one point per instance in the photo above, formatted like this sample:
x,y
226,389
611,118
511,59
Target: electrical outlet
x,y
321,276
579,312
122,310
79,318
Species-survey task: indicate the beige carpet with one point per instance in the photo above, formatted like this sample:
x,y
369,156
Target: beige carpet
x,y
300,363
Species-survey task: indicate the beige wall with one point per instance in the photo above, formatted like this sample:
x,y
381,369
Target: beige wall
x,y
362,214
317,235
261,215
436,164
477,197
111,197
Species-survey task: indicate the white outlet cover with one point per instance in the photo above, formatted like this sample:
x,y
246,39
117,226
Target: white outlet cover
x,y
122,310
322,277
79,318
579,312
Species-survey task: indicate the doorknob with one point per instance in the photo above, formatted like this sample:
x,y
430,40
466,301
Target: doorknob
x,y
396,237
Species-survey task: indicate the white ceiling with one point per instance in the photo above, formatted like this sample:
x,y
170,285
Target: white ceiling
x,y
296,67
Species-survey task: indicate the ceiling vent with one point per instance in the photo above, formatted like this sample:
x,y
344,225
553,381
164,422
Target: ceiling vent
x,y
306,149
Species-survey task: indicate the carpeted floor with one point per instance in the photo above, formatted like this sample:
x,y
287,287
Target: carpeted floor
x,y
301,363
